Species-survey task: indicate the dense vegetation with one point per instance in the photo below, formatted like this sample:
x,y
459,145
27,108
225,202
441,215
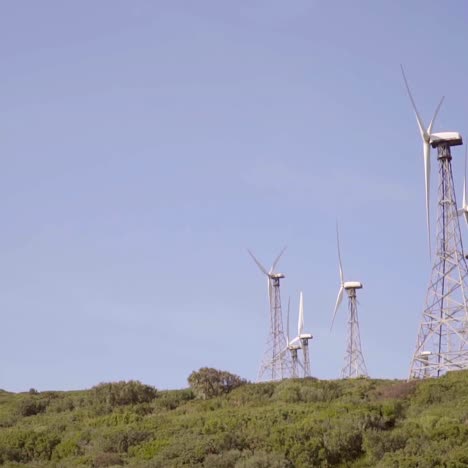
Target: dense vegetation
x,y
293,423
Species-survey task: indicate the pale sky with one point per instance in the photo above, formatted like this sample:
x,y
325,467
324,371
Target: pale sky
x,y
145,145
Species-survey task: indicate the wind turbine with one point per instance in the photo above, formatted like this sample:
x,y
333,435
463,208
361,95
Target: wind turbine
x,y
354,360
293,348
426,136
464,209
442,342
303,338
275,364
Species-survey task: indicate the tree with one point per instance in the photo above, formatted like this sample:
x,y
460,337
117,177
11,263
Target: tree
x,y
208,382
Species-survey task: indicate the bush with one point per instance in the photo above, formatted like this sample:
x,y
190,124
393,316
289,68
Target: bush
x,y
288,391
170,400
31,407
67,448
60,405
121,440
400,390
208,382
23,446
122,393
343,442
378,443
107,459
263,459
253,393
222,460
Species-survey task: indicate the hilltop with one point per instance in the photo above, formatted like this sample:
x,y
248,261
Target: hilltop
x,y
292,423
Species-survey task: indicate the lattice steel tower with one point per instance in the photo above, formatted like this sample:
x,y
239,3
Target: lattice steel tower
x,y
442,343
276,364
354,360
305,356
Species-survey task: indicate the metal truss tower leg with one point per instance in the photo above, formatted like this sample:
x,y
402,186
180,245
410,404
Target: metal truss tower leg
x,y
276,364
354,360
305,357
442,343
293,363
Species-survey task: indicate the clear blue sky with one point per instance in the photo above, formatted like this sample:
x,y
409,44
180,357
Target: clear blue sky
x,y
145,145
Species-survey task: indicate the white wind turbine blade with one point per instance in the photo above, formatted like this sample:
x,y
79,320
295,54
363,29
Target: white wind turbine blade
x,y
429,129
422,129
273,266
300,323
339,255
427,170
262,268
464,180
340,292
337,305
426,137
287,324
465,207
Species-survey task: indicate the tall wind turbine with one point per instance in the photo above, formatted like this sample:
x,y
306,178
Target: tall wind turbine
x,y
354,360
464,209
303,338
275,364
442,342
292,348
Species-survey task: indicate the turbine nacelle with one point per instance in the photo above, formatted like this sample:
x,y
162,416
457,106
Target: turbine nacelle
x,y
447,138
305,336
276,275
352,285
271,275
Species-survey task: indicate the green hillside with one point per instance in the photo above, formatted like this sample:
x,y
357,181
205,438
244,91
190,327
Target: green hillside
x,y
293,423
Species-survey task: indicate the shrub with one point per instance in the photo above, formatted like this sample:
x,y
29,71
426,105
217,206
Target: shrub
x,y
148,450
253,393
343,442
67,448
121,440
400,390
107,459
122,393
222,460
378,443
23,446
263,459
60,405
288,391
31,407
208,382
171,400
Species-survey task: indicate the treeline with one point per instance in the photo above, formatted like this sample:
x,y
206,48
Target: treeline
x,y
224,421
